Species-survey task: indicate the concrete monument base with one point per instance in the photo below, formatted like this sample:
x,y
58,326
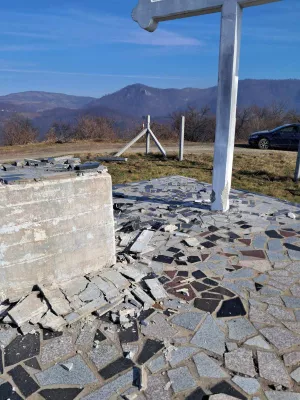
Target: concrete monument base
x,y
54,229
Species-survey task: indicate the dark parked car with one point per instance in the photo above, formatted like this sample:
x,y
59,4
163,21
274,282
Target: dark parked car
x,y
283,137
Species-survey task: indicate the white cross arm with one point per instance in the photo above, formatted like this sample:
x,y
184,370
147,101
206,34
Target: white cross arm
x,y
149,13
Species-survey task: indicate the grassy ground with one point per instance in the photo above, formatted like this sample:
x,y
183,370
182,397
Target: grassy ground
x,y
270,173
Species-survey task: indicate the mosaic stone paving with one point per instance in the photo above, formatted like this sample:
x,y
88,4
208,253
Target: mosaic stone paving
x,y
228,321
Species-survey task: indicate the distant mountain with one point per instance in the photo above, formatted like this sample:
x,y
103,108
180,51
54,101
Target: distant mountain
x,y
41,101
138,100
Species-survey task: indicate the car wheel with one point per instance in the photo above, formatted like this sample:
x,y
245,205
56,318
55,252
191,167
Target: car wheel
x,y
264,144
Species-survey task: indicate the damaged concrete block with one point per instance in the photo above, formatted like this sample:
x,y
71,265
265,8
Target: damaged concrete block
x,y
90,293
116,278
157,290
142,241
52,322
143,297
74,286
56,299
109,290
30,308
132,273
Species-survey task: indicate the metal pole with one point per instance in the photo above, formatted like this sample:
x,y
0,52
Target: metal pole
x,y
148,136
181,139
297,170
226,105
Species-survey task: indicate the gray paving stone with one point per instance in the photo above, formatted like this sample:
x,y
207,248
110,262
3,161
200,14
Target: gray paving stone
x,y
103,354
157,364
248,385
156,388
292,359
282,396
6,336
272,369
291,302
282,338
296,375
281,313
188,320
181,354
181,379
114,387
159,328
79,375
207,367
259,342
241,361
86,336
210,337
55,349
240,329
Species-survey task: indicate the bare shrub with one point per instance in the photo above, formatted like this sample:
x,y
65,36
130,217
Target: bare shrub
x,y
95,128
18,130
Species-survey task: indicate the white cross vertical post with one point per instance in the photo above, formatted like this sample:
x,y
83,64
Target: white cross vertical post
x,y
149,13
148,135
181,139
226,104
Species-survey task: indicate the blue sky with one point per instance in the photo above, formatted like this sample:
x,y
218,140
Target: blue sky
x,y
93,47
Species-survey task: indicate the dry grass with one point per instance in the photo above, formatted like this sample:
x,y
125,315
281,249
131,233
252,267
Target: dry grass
x,y
269,174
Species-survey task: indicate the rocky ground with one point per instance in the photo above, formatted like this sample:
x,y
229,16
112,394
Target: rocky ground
x,y
199,306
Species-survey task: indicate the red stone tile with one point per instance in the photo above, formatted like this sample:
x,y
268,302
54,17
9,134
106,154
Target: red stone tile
x,y
254,254
247,242
204,256
287,234
170,274
182,296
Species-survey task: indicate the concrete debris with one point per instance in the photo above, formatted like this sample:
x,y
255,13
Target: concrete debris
x,y
52,322
56,299
143,297
170,228
157,290
192,242
132,273
291,215
142,241
30,308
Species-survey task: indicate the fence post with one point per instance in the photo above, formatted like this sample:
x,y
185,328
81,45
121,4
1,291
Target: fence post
x,y
181,139
297,170
148,135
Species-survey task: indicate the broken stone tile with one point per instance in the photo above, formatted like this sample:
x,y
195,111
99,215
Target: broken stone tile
x,y
210,337
180,354
157,364
282,338
55,349
192,242
116,367
159,328
8,392
282,396
111,388
181,379
292,359
184,292
240,329
90,293
157,290
33,363
47,334
150,348
86,335
207,305
31,307
60,394
115,277
296,375
248,385
6,336
272,369
259,342
22,348
109,289
157,389
130,334
52,322
241,361
103,354
207,367
188,320
23,381
222,291
132,273
231,308
58,303
79,375
199,286
74,286
142,296
224,387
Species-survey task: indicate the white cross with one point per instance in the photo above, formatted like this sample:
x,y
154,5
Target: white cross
x,y
149,13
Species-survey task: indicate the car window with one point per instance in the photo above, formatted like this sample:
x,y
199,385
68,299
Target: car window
x,y
288,129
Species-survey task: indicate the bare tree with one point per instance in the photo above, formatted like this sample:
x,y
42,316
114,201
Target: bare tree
x,y
96,128
63,131
18,130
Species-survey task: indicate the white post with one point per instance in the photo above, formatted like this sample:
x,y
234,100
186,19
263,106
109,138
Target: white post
x,y
297,170
181,139
141,134
161,149
226,104
148,136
